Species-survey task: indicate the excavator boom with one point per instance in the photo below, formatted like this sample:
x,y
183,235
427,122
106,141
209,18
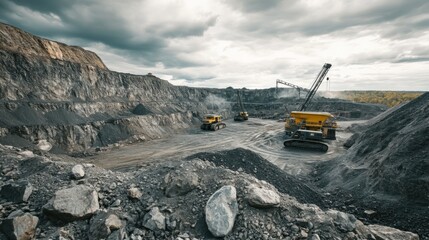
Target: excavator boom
x,y
242,115
315,86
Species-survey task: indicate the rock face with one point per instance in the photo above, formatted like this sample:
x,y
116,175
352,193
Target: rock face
x,y
262,197
221,210
154,220
180,182
16,40
17,191
74,203
21,227
66,96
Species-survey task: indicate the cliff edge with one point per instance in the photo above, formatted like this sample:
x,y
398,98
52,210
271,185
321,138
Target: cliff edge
x,y
16,40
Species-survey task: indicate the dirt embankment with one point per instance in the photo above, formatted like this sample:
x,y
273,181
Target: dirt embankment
x,y
387,167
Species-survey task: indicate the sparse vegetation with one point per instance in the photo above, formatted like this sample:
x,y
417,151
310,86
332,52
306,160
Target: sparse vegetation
x,y
388,98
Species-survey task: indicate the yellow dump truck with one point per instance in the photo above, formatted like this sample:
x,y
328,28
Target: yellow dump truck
x,y
212,122
308,129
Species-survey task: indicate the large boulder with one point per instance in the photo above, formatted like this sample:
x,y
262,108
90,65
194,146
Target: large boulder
x,y
16,192
154,220
78,172
221,210
180,182
262,197
22,227
79,202
103,224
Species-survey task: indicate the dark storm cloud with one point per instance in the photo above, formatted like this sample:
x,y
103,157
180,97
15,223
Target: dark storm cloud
x,y
253,5
45,6
99,21
283,17
412,60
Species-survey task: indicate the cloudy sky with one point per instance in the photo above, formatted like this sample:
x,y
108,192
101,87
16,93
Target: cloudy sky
x,y
372,45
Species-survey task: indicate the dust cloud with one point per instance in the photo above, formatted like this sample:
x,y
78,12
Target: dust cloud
x,y
214,102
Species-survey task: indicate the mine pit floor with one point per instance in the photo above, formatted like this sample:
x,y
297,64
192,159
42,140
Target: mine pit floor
x,y
264,137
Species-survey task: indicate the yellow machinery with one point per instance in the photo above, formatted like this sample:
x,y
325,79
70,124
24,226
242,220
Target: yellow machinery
x,y
212,122
309,129
242,115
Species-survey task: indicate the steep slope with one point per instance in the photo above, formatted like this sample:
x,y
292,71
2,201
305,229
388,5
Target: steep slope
x,y
66,95
15,40
390,157
384,176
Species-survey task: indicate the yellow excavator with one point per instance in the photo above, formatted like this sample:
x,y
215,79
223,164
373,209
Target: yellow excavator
x,y
309,129
212,122
242,115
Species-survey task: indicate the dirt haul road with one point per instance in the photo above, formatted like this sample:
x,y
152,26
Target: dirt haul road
x,y
264,137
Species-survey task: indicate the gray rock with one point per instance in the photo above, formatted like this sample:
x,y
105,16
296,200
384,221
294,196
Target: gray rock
x,y
262,197
78,172
16,192
16,213
79,202
102,224
20,227
180,182
44,145
134,193
314,237
221,210
345,222
388,233
119,234
116,203
26,153
154,220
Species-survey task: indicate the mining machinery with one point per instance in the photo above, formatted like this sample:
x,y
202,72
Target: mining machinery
x,y
309,129
290,85
212,122
242,115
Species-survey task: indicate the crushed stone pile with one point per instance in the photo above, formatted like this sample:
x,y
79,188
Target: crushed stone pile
x,y
185,199
387,165
249,162
390,157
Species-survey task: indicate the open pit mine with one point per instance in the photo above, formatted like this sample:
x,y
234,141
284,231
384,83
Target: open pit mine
x,y
89,153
